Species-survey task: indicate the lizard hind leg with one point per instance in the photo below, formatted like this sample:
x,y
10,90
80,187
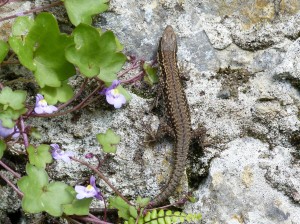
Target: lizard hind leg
x,y
198,136
163,130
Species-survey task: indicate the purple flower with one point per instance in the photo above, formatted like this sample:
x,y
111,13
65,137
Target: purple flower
x,y
89,155
89,191
42,107
4,132
113,96
57,153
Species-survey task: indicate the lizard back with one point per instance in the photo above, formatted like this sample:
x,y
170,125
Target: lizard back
x,y
177,110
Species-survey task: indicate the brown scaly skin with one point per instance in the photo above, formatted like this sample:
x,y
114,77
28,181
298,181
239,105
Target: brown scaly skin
x,y
177,111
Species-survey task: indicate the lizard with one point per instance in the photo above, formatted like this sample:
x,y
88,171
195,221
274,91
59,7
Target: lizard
x,y
177,110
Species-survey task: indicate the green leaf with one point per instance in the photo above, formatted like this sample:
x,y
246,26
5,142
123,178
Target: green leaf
x,y
175,217
77,207
53,95
4,48
39,195
82,11
121,205
161,221
151,74
54,197
108,141
94,54
32,186
34,132
22,26
39,156
42,50
131,220
147,217
192,199
13,99
154,214
111,65
9,116
11,106
2,147
161,213
133,211
22,46
124,92
142,202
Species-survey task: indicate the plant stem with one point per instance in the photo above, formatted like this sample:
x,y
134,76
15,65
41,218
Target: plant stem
x,y
12,185
9,169
32,11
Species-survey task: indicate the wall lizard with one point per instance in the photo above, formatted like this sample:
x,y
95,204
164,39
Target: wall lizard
x,y
177,111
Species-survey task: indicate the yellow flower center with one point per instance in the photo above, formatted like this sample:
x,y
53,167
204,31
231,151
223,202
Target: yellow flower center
x,y
115,92
89,187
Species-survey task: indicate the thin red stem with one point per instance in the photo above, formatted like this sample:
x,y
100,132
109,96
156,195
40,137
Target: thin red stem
x,y
9,169
31,11
12,185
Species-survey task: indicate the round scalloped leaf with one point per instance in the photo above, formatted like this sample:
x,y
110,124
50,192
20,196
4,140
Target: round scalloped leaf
x,y
42,50
32,186
111,66
39,156
22,26
82,11
2,147
13,99
77,207
95,54
55,195
61,94
22,46
108,141
9,116
39,195
4,48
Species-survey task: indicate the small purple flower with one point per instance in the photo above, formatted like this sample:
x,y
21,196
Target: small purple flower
x,y
57,153
42,107
4,132
113,96
89,155
89,191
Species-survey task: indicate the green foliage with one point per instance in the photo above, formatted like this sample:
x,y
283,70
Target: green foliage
x,y
166,217
77,207
125,211
130,213
124,92
95,54
41,48
142,202
151,74
82,11
2,148
40,195
108,141
34,133
4,48
13,99
11,106
54,94
39,156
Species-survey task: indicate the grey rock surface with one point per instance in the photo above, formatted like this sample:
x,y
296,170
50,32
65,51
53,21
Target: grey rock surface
x,y
243,61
